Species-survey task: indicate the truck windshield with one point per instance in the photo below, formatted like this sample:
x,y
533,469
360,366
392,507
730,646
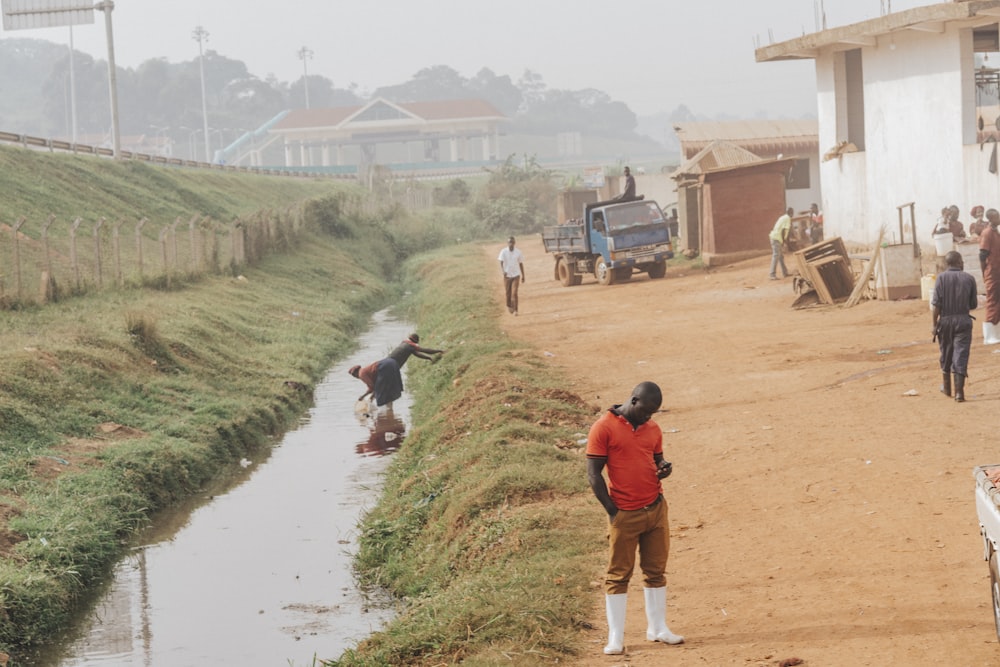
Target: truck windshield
x,y
633,215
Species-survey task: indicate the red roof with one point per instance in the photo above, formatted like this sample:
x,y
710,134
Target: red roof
x,y
430,111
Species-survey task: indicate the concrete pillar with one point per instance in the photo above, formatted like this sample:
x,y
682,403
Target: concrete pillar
x,y
453,142
304,154
326,155
339,151
288,154
486,147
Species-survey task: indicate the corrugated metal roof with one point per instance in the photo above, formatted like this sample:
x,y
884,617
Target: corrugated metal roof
x,y
739,131
764,137
717,155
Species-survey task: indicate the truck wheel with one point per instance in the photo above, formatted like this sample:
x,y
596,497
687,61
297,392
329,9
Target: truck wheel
x,y
657,271
567,273
604,274
995,590
623,274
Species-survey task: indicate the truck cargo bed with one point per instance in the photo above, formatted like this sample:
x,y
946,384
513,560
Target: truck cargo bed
x,y
564,238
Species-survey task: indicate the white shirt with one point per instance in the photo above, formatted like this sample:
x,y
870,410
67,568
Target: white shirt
x,y
510,261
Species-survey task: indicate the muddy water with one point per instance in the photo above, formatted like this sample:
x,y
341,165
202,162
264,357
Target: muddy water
x,y
259,573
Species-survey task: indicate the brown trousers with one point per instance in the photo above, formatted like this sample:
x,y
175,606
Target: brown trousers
x,y
646,529
510,288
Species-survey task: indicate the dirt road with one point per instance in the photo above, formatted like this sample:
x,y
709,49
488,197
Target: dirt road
x,y
817,511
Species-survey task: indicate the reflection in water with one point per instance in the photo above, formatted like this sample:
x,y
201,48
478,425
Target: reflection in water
x,y
385,433
258,572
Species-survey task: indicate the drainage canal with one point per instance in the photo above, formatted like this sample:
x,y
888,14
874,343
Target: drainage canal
x,y
258,572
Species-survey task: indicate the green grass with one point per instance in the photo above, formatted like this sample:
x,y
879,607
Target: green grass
x,y
483,533
198,375
483,536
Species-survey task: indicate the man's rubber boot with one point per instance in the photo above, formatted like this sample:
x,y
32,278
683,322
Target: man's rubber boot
x,y
615,607
656,617
959,388
946,384
990,334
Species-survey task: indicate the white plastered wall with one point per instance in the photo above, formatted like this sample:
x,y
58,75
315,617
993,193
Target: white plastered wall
x,y
913,104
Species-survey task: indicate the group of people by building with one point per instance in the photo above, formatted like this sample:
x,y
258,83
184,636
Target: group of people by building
x,y
949,223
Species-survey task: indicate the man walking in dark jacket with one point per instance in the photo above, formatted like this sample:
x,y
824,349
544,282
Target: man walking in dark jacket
x,y
954,296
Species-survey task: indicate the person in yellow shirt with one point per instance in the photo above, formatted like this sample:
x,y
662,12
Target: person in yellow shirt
x,y
779,236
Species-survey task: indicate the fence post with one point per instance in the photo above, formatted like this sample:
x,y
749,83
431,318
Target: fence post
x,y
72,251
138,244
97,252
45,244
119,279
163,252
48,280
173,239
194,263
17,255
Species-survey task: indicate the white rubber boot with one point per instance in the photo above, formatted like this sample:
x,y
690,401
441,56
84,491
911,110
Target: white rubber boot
x,y
990,334
656,617
615,607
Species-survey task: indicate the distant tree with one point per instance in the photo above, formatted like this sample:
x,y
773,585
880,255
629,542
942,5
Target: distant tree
x,y
588,111
682,115
431,83
93,111
25,65
532,88
499,91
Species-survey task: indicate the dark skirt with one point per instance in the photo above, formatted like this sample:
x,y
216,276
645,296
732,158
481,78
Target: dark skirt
x,y
388,382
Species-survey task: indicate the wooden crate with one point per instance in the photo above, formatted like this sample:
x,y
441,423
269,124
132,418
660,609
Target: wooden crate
x,y
827,267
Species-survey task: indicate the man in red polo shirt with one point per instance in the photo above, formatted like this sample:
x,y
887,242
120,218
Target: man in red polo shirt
x,y
630,446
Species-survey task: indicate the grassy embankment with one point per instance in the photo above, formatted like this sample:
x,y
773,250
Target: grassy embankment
x,y
482,529
118,402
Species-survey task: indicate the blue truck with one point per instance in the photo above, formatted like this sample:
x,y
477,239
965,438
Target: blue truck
x,y
613,240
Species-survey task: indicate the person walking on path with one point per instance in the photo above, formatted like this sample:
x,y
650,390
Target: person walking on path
x,y
778,237
989,261
512,269
954,296
630,446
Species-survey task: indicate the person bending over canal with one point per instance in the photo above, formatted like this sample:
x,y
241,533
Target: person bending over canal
x,y
631,446
384,378
411,346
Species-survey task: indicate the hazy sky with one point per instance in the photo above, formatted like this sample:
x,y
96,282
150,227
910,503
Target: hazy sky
x,y
650,54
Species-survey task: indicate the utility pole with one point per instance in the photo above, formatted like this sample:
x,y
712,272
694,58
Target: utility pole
x,y
201,36
116,141
305,53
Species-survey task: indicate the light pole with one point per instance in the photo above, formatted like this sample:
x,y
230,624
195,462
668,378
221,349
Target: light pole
x,y
107,6
200,35
305,53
